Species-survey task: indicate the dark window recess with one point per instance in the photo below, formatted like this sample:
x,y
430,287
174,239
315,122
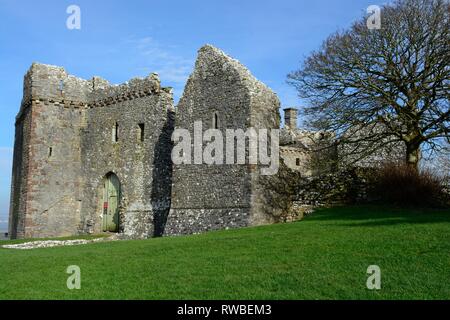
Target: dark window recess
x,y
141,131
116,132
216,121
297,161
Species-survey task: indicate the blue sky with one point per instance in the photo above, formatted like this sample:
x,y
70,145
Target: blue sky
x,y
120,40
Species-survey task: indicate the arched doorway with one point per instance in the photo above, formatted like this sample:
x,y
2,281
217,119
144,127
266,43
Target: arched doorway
x,y
111,202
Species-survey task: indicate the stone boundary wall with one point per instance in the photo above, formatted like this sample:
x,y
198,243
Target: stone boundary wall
x,y
341,187
332,188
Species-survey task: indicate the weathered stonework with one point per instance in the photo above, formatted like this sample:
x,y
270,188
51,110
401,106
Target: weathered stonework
x,y
217,196
64,149
307,152
73,135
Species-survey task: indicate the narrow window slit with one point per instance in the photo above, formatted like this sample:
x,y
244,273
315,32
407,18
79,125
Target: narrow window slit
x,y
116,133
215,121
141,132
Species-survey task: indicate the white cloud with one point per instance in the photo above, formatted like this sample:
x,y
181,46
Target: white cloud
x,y
159,58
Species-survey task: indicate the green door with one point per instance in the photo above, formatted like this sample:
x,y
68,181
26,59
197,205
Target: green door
x,y
111,204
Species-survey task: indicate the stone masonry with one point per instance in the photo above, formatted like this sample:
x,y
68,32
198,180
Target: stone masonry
x,y
64,149
72,134
217,196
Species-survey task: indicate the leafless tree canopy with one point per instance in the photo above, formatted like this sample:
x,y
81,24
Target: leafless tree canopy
x,y
392,84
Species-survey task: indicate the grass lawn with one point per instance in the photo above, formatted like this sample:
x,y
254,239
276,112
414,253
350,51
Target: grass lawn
x,y
324,256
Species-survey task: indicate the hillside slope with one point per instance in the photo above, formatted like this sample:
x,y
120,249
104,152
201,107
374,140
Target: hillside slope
x,y
325,256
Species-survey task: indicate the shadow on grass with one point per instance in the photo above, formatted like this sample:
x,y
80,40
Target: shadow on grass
x,y
380,216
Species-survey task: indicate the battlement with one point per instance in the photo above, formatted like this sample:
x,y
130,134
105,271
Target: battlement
x,y
54,83
48,83
135,88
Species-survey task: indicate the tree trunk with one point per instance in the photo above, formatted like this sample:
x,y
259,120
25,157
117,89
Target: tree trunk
x,y
413,155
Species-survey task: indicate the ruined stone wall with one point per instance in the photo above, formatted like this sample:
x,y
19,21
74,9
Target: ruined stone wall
x,y
66,145
143,167
308,152
64,149
264,107
209,197
297,159
341,187
357,152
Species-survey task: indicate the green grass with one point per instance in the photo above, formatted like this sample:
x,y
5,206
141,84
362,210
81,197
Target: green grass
x,y
324,256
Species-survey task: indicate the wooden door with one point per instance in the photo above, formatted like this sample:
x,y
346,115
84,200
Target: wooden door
x,y
111,204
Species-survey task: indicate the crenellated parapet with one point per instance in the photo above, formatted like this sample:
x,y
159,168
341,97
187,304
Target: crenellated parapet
x,y
133,89
54,83
49,84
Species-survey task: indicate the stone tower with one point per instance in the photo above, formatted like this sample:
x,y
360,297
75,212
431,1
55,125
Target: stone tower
x,y
72,136
47,156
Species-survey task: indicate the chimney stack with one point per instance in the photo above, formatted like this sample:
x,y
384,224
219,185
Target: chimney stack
x,y
290,118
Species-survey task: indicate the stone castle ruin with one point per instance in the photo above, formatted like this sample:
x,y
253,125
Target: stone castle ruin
x,y
91,157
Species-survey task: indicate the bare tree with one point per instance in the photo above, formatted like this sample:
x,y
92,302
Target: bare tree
x,y
379,87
